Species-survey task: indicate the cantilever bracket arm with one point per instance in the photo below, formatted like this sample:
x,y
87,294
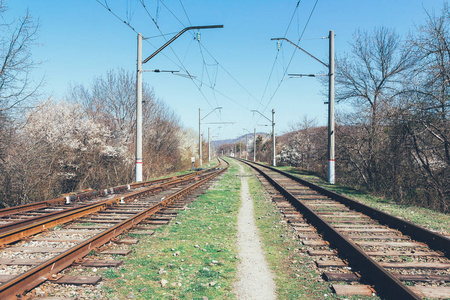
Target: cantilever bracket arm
x,y
177,36
285,39
254,110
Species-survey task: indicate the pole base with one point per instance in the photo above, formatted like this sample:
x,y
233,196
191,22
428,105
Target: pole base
x,y
331,171
138,170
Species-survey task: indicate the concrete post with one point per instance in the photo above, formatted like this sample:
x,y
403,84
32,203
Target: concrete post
x,y
139,111
273,137
331,177
200,136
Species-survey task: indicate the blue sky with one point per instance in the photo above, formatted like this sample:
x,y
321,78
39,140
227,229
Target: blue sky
x,y
80,40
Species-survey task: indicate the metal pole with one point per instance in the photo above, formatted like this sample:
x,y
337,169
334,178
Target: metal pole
x,y
209,146
273,137
246,142
331,177
240,149
254,144
200,136
139,110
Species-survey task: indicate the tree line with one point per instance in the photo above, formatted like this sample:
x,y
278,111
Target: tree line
x,y
393,138
86,139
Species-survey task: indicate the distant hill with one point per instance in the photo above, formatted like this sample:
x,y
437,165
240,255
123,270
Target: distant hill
x,y
241,138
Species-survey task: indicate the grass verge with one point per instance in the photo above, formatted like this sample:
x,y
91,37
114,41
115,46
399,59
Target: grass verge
x,y
191,258
421,216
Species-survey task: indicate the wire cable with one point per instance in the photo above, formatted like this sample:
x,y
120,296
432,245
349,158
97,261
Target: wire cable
x,y
185,13
292,57
209,53
114,14
132,28
204,68
276,57
181,65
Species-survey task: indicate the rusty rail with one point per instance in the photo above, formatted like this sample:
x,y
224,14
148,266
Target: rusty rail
x,y
168,181
84,195
39,224
26,281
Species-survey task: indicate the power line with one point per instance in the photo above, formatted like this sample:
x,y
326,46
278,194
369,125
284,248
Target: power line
x,y
222,94
115,15
196,82
276,57
292,57
209,53
106,6
173,51
229,74
181,2
201,52
154,21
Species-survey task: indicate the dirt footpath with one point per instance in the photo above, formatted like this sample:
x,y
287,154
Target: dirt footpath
x,y
255,280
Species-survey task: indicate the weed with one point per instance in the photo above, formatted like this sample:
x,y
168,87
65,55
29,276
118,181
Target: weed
x,y
108,289
111,273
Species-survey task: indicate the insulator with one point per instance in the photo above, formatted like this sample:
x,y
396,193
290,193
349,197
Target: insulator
x,y
278,45
198,36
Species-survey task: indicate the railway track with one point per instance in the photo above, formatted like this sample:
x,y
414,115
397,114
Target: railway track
x,y
359,249
23,215
18,213
38,242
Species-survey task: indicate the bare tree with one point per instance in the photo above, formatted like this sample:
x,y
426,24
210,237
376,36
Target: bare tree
x,y
16,41
427,111
370,77
16,89
301,148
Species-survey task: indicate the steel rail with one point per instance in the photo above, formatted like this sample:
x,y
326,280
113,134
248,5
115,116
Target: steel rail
x,y
383,280
44,204
46,222
83,195
434,240
35,276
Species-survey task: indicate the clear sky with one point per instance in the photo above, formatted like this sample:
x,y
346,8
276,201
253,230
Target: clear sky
x,y
238,67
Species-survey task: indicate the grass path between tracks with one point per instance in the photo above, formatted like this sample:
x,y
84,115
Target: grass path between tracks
x,y
428,218
194,257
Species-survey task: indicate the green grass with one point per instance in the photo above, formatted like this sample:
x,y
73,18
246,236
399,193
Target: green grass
x,y
421,216
206,165
193,259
